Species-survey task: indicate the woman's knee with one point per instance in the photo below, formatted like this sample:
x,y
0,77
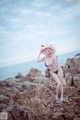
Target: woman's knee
x,y
61,87
57,80
60,74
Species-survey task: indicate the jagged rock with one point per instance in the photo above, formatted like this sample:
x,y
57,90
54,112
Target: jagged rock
x,y
76,81
35,73
4,99
47,73
44,80
71,65
70,91
19,75
69,79
32,97
71,69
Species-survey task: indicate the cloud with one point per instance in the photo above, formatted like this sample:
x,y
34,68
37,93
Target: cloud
x,y
25,11
25,25
64,14
70,1
70,13
43,14
38,4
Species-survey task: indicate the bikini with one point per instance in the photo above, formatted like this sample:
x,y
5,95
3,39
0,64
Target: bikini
x,y
54,71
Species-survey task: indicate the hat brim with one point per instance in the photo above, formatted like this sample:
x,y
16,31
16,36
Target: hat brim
x,y
52,49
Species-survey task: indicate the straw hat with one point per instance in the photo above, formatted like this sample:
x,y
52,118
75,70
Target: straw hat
x,y
43,47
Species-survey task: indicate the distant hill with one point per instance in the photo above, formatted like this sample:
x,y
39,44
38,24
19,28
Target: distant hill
x,y
77,55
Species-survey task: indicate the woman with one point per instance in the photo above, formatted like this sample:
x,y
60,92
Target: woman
x,y
51,62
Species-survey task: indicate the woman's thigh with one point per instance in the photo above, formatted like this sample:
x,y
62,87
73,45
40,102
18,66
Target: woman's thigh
x,y
55,76
60,74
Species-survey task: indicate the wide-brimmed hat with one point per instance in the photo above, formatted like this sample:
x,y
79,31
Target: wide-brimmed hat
x,y
43,47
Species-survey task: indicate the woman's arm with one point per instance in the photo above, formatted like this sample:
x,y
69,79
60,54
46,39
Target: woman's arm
x,y
40,59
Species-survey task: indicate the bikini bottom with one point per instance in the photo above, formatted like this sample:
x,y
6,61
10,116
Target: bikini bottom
x,y
56,71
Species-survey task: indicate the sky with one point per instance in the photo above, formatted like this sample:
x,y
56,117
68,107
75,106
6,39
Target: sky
x,y
27,24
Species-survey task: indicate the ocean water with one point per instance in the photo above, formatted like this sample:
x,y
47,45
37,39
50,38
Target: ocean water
x,y
24,68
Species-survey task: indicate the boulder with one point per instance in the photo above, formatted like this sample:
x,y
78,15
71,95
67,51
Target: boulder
x,y
76,81
4,99
69,79
35,72
71,72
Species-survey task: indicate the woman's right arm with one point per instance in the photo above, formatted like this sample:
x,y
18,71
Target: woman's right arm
x,y
40,59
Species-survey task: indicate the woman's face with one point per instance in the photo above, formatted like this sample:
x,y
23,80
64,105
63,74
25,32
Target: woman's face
x,y
47,52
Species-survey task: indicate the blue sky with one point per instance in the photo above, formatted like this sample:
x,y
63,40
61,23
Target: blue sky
x,y
26,24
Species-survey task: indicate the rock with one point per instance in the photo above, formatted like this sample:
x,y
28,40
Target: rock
x,y
35,73
76,118
4,99
70,91
43,80
19,75
76,81
69,79
32,97
17,113
47,73
77,100
77,110
71,72
72,65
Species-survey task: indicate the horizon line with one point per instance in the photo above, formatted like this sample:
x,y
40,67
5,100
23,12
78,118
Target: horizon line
x,y
24,61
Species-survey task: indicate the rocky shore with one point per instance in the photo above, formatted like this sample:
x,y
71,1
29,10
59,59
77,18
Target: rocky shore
x,y
32,97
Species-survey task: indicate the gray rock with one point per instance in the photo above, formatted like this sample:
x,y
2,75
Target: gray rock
x,y
4,99
69,79
76,81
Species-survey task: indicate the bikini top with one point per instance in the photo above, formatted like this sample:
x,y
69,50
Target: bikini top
x,y
46,65
47,61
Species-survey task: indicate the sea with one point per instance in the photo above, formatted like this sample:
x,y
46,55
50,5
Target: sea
x,y
24,68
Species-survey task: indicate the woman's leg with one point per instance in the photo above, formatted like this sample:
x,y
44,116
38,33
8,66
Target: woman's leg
x,y
60,74
61,90
55,76
57,92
